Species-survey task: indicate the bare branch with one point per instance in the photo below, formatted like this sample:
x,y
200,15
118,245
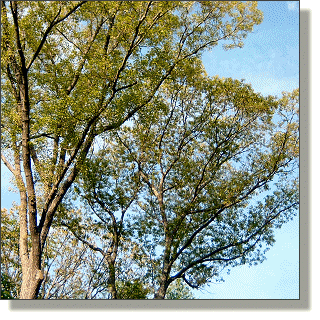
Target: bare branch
x,y
8,165
91,246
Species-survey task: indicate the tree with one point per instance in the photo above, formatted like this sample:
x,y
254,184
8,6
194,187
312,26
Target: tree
x,y
179,291
132,290
7,287
218,173
205,163
73,71
71,270
197,187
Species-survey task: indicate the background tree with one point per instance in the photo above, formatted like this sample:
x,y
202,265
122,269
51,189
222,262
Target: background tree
x,y
72,71
178,290
215,172
10,266
219,163
7,287
72,270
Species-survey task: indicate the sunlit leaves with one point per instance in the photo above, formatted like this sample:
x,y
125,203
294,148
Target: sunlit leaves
x,y
103,48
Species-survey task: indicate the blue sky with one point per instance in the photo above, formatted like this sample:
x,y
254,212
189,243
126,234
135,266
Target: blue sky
x,y
269,61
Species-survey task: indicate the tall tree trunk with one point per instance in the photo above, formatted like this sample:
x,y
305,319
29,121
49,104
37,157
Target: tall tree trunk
x,y
32,275
31,282
161,293
112,280
166,267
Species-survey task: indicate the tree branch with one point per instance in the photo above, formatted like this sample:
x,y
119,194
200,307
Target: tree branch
x,y
257,232
54,22
78,72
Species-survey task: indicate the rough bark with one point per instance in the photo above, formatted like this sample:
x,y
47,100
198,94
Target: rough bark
x,y
112,280
32,277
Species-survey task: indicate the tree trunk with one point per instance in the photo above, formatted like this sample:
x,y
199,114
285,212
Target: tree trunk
x,y
164,283
112,280
32,277
161,293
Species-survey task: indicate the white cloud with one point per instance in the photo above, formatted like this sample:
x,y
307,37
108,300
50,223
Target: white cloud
x,y
292,5
266,84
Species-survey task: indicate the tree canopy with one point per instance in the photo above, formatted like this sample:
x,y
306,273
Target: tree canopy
x,y
202,184
119,141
